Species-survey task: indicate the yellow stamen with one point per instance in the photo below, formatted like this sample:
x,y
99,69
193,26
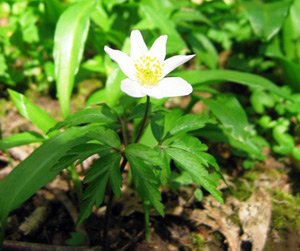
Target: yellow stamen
x,y
148,70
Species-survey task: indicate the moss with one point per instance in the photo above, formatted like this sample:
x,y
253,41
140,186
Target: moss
x,y
198,241
242,192
235,219
286,209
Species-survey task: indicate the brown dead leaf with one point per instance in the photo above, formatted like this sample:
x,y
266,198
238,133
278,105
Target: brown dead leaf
x,y
255,216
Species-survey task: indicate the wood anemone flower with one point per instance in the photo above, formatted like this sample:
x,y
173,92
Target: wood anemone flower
x,y
146,69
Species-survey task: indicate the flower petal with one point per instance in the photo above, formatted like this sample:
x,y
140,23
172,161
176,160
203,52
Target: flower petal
x,y
158,49
173,87
122,59
138,46
174,62
132,88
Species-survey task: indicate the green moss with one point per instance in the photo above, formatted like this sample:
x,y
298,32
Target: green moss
x,y
242,192
286,210
198,241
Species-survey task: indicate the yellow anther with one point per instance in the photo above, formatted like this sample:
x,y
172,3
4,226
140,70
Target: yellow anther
x,y
148,71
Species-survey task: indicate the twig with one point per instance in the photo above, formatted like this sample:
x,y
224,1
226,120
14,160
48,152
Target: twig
x,y
24,246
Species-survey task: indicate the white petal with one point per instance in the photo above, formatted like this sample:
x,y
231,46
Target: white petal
x,y
138,46
132,88
122,59
174,62
154,92
173,87
158,49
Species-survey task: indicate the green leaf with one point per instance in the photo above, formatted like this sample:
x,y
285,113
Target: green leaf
x,y
197,77
138,111
86,116
35,114
144,153
189,162
112,86
198,194
102,170
190,15
266,19
53,9
188,122
251,147
166,26
187,152
165,169
205,50
291,33
291,73
80,153
96,97
231,114
145,182
36,170
20,139
106,136
211,186
157,125
70,36
76,239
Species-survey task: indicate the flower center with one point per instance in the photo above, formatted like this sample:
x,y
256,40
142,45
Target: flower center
x,y
148,70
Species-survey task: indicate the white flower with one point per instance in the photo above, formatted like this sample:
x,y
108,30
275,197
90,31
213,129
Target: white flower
x,y
146,69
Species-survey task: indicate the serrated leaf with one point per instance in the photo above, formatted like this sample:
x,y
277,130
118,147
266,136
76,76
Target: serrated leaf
x,y
188,122
211,187
165,169
20,139
80,153
145,182
144,153
86,116
188,162
158,125
102,170
70,36
35,114
106,136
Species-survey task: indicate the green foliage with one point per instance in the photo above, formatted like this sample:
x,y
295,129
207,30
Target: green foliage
x,y
20,139
267,18
70,36
264,63
27,109
103,170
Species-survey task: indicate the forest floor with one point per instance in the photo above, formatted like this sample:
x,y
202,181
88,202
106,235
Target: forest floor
x,y
261,211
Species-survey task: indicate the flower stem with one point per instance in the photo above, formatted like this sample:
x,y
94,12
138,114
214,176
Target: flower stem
x,y
108,209
147,221
143,121
122,167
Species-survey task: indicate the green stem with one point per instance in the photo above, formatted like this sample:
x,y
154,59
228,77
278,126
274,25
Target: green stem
x,y
124,132
143,121
76,181
147,221
122,167
108,209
